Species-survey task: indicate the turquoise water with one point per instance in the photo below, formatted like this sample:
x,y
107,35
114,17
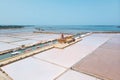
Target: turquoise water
x,y
22,51
68,28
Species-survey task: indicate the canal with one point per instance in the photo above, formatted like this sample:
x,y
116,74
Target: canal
x,y
32,48
28,49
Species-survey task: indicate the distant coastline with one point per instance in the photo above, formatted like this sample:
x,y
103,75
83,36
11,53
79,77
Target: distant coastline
x,y
72,29
11,26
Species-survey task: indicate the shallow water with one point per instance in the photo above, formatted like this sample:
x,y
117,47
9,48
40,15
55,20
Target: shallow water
x,y
67,28
22,51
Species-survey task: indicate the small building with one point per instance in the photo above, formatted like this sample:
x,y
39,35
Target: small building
x,y
67,39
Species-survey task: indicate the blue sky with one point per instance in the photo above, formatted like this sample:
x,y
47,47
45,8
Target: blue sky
x,y
60,12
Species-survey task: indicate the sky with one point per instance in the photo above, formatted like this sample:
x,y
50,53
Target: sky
x,y
60,12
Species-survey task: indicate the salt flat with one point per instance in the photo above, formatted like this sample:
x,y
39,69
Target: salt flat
x,y
13,40
40,36
70,55
6,46
33,69
48,37
73,75
10,39
55,64
104,62
25,42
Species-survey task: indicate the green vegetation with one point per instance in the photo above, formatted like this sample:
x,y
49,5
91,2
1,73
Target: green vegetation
x,y
10,26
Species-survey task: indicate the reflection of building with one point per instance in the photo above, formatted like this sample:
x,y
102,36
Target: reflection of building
x,y
67,39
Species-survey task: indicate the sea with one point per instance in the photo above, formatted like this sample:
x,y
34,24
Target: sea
x,y
65,28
